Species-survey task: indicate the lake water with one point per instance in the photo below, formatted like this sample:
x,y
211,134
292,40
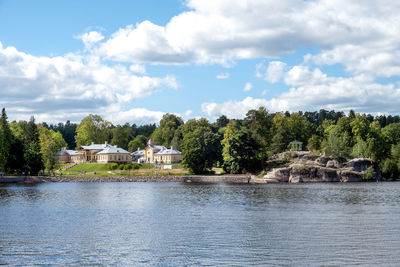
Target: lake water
x,y
179,224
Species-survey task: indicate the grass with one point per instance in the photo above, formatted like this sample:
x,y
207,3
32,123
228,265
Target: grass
x,y
102,170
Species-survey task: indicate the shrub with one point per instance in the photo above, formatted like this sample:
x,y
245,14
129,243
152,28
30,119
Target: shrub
x,y
368,174
121,167
113,166
136,166
128,167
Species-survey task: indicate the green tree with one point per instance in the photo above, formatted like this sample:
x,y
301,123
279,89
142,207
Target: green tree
x,y
140,142
200,150
239,150
92,128
222,121
164,134
120,137
314,143
50,143
260,123
32,154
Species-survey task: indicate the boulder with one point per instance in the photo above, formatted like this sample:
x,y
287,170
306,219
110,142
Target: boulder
x,y
304,173
350,176
332,164
359,164
278,175
322,160
328,175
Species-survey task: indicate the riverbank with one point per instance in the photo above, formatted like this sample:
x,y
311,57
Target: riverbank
x,y
189,179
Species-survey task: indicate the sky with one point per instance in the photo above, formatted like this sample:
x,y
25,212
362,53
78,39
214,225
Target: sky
x,y
133,61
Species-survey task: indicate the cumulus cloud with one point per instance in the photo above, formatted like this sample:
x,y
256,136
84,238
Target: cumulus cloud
x,y
138,68
247,87
90,38
232,109
223,31
71,85
223,75
314,90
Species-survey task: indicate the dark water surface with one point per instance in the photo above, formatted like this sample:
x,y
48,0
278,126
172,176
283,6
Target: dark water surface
x,y
208,224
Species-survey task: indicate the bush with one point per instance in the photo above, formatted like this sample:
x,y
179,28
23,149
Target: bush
x,y
121,167
136,166
113,166
128,167
390,169
368,174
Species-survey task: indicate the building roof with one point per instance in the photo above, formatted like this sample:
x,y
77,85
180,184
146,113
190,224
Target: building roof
x,y
138,153
157,148
66,152
94,146
166,151
113,150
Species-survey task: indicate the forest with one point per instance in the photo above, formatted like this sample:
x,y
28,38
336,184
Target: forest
x,y
236,145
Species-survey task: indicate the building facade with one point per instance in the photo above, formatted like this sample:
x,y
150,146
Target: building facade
x,y
157,154
94,153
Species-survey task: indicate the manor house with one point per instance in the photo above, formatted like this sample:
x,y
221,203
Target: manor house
x,y
157,154
94,153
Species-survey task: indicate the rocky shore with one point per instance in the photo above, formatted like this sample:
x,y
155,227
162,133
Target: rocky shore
x,y
188,179
309,167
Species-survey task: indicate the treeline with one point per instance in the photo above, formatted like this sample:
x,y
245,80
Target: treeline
x,y
238,146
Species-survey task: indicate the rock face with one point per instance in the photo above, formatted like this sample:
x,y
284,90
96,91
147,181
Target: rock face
x,y
308,167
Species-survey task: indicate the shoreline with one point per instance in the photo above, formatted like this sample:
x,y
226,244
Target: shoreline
x,y
242,179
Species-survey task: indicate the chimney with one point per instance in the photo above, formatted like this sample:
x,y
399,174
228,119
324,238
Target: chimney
x,y
92,143
138,149
172,148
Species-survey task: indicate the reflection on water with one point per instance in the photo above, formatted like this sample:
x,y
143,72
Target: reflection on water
x,y
206,224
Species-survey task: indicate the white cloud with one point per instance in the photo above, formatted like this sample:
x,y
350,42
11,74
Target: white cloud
x,y
90,38
135,115
188,113
275,71
138,68
264,92
232,109
223,75
52,88
313,90
247,87
222,31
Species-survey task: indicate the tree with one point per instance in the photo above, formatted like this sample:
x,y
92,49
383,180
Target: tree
x,y
32,154
222,121
164,134
139,142
314,143
50,143
92,128
120,137
200,150
239,150
260,123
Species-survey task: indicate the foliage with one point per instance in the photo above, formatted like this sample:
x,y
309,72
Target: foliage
x,y
368,174
240,150
164,134
138,143
120,137
32,154
92,128
200,148
113,166
50,143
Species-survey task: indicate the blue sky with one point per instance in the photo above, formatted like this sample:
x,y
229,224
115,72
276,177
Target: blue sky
x,y
133,61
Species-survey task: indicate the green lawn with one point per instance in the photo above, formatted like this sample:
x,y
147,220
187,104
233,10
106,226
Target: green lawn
x,y
102,170
90,167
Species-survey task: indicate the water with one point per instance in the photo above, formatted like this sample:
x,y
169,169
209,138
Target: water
x,y
179,224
